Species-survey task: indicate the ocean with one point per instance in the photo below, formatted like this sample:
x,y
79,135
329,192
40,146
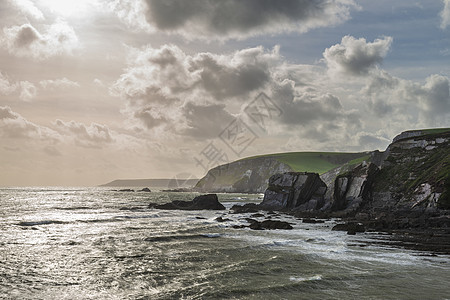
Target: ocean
x,y
95,243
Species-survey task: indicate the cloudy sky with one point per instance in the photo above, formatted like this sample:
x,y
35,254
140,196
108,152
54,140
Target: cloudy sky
x,y
96,90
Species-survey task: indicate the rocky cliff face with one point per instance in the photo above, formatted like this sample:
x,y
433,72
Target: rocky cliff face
x,y
243,176
410,179
415,174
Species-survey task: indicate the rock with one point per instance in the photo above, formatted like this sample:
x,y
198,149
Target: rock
x,y
126,190
178,190
208,202
246,208
257,215
269,224
221,220
299,191
351,227
312,221
146,189
354,188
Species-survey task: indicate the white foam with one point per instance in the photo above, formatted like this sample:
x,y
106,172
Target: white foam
x,y
302,279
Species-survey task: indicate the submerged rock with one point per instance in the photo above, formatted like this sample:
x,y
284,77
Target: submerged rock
x,y
207,202
146,189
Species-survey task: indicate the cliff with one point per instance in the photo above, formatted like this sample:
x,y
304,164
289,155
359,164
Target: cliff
x,y
251,175
407,186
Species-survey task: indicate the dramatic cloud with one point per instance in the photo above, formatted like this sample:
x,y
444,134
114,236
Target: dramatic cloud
x,y
356,56
26,41
445,14
206,19
93,136
166,87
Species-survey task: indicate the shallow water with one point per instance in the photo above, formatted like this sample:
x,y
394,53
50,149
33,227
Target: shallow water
x,y
100,244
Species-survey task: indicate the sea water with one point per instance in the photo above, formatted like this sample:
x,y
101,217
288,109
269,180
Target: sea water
x,y
95,243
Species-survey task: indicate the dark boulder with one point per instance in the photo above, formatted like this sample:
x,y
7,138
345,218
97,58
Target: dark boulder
x,y
145,190
202,202
126,190
350,227
269,224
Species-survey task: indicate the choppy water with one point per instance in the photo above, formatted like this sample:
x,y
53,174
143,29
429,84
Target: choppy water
x,y
100,244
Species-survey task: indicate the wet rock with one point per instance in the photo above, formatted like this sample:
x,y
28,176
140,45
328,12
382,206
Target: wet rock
x,y
299,191
126,190
202,202
257,215
145,190
351,227
270,224
312,221
221,220
246,208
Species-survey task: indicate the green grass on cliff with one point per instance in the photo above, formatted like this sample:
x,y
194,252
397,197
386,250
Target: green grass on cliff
x,y
317,162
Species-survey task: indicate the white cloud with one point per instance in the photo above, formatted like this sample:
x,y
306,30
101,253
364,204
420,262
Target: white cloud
x,y
27,91
27,41
208,19
92,136
356,56
58,83
445,14
6,87
28,9
13,125
417,104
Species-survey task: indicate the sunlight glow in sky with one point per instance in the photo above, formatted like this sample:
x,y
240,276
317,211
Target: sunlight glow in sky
x,y
92,91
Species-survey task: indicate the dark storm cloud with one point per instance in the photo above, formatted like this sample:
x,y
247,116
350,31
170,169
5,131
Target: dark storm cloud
x,y
232,18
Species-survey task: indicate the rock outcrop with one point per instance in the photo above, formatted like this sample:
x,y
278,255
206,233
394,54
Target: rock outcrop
x,y
202,202
300,191
353,189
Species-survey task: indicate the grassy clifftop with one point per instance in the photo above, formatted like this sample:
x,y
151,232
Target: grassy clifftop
x,y
317,162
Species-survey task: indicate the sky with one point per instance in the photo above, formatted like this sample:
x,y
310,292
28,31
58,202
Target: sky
x,y
97,90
